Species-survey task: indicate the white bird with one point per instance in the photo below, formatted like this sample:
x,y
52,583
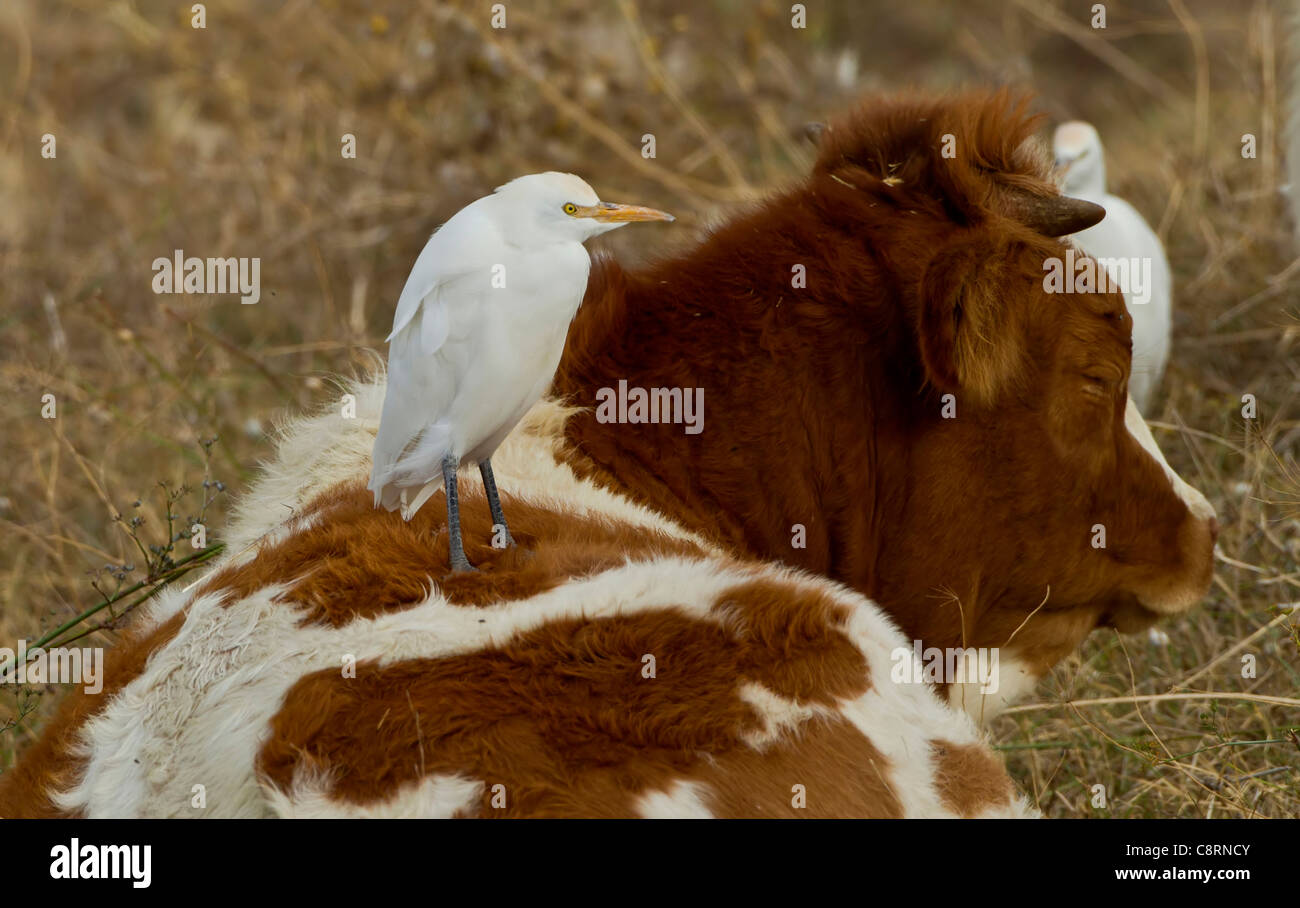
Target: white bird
x,y
1122,234
478,334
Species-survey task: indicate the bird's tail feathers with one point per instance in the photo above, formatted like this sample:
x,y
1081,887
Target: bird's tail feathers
x,y
418,470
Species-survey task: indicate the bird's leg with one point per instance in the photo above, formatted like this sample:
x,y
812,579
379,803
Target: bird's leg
x,y
494,501
458,560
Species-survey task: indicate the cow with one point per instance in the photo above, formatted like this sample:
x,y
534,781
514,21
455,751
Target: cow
x,y
952,438
914,444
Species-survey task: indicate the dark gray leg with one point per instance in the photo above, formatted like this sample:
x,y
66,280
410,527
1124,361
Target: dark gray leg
x,y
494,502
458,560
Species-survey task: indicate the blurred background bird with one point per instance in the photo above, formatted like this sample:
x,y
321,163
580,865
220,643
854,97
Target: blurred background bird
x,y
478,334
1121,234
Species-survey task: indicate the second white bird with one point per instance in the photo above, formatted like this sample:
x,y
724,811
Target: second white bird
x,y
1122,235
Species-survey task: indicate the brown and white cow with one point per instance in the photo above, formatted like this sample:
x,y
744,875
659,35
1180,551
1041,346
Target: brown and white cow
x,y
642,653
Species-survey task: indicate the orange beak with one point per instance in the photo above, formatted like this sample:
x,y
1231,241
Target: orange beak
x,y
611,213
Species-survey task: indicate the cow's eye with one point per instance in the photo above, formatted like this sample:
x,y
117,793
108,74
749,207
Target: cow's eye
x,y
1098,385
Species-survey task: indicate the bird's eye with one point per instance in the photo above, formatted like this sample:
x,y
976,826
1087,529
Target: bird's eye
x,y
570,208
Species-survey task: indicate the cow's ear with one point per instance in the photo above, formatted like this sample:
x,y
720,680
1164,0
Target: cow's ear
x,y
970,341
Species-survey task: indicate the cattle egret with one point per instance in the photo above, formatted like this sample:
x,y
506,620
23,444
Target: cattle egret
x,y
478,334
1123,236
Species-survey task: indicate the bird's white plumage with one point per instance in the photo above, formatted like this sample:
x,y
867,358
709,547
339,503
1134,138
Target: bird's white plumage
x,y
479,330
1123,233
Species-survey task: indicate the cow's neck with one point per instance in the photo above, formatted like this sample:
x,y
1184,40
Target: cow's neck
x,y
781,469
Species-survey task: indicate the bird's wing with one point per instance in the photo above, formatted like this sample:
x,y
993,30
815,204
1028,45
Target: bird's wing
x,y
429,350
441,304
419,391
456,252
428,360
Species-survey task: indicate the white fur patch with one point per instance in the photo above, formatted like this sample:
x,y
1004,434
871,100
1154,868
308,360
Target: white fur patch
x,y
1138,428
1014,682
780,716
436,797
681,801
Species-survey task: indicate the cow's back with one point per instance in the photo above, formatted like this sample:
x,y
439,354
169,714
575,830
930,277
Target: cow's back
x,y
612,665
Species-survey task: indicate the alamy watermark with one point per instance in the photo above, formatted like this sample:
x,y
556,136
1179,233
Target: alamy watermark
x,y
953,665
57,665
76,861
1084,274
653,405
179,274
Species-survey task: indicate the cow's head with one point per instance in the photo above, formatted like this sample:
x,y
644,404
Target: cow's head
x,y
1033,480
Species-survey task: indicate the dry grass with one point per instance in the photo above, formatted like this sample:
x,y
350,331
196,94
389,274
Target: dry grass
x,y
226,142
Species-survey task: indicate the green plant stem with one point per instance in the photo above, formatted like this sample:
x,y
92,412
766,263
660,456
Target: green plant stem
x,y
177,569
1225,744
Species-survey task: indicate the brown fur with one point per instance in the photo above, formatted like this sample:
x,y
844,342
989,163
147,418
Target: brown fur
x,y
842,774
358,562
969,778
563,717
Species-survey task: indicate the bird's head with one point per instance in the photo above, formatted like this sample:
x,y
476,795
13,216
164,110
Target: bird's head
x,y
1079,160
552,207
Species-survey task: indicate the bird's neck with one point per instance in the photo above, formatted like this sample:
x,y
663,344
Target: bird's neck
x,y
1092,187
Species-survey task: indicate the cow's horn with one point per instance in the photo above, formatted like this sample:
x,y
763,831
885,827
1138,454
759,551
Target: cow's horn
x,y
1055,215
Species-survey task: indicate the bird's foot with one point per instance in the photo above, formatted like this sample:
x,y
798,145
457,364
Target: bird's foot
x,y
461,565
